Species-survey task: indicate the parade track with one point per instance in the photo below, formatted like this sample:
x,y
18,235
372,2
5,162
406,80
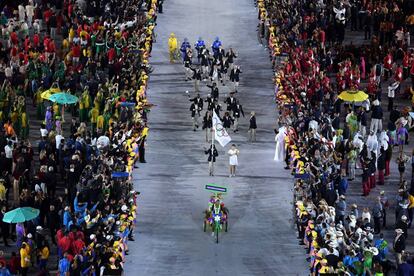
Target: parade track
x,y
169,239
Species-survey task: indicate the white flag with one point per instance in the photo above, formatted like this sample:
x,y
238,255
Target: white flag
x,y
220,133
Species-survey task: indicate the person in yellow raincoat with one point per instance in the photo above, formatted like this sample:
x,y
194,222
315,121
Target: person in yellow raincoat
x,y
24,133
172,47
84,105
93,118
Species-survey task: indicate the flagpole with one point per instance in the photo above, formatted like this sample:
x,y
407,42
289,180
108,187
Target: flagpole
x,y
212,133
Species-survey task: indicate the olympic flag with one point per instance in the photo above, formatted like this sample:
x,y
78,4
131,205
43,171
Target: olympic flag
x,y
220,133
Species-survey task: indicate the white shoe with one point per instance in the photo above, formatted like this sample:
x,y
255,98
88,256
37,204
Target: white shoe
x,y
230,175
212,234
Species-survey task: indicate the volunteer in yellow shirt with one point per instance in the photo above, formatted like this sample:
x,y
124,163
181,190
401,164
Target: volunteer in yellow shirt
x,y
25,258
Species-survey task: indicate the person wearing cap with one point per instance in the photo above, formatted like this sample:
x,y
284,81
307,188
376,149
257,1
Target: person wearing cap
x,y
324,268
403,225
216,47
184,48
199,46
399,244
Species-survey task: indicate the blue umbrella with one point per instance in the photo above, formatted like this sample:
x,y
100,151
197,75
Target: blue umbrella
x,y
127,104
63,98
21,215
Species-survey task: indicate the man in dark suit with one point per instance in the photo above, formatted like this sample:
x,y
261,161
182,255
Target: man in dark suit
x,y
399,245
235,77
197,100
210,102
195,114
237,110
212,154
230,101
214,91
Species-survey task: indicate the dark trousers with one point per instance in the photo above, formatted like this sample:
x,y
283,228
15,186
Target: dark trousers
x,y
365,187
381,177
377,225
390,103
387,167
141,152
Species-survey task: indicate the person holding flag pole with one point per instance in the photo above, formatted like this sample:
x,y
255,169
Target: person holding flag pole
x,y
220,134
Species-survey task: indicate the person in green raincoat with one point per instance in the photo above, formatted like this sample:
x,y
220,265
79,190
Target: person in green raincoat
x,y
3,19
100,45
351,120
40,108
60,72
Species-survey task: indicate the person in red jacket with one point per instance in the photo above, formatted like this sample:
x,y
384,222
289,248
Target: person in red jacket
x,y
111,55
388,62
36,40
398,76
405,64
14,264
51,49
64,244
76,53
77,246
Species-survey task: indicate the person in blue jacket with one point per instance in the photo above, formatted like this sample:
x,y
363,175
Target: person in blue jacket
x,y
199,46
183,48
216,47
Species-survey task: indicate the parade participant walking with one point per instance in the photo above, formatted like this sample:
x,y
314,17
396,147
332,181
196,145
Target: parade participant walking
x,y
195,108
199,46
235,77
233,159
208,124
197,78
227,120
237,111
216,47
172,47
212,154
214,91
184,48
252,127
230,101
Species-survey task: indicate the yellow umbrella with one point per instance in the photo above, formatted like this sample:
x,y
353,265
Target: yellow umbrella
x,y
353,96
46,94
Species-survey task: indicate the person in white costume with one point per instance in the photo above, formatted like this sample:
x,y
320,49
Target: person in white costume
x,y
280,151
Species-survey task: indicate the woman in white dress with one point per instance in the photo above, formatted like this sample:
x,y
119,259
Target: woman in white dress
x,y
233,153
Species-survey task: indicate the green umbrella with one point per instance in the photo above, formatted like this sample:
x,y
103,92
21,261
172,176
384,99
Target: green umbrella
x,y
21,215
63,98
